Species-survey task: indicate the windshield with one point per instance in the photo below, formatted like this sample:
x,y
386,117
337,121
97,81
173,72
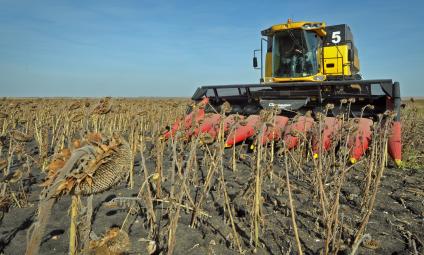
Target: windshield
x,y
295,53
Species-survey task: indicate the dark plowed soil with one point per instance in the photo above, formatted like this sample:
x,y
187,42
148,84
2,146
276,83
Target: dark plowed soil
x,y
396,225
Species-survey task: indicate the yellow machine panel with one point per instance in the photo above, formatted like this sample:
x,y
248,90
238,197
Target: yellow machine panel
x,y
336,60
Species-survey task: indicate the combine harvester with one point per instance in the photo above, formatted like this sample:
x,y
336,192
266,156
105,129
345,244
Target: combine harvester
x,y
310,68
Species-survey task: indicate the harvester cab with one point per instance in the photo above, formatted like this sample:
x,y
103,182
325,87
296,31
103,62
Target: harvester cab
x,y
310,69
309,51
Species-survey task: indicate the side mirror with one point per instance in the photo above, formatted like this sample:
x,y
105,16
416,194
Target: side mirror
x,y
255,62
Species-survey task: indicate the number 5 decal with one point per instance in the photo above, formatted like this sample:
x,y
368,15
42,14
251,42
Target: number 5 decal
x,y
335,37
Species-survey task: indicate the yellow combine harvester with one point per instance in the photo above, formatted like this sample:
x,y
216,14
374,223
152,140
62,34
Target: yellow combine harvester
x,y
308,66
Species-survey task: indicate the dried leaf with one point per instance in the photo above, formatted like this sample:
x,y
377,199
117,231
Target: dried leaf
x,y
16,176
3,164
371,244
76,144
94,137
12,177
89,180
66,153
65,187
75,105
20,136
77,117
55,165
104,147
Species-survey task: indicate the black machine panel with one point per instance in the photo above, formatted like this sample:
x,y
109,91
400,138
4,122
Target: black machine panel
x,y
338,34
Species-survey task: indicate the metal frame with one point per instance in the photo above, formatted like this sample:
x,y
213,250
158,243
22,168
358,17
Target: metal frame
x,y
318,90
386,85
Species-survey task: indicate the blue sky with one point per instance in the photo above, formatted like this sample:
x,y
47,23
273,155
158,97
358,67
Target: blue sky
x,y
168,48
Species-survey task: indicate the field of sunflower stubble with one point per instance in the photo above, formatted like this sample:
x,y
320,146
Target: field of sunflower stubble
x,y
94,176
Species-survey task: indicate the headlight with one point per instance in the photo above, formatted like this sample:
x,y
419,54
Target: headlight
x,y
319,77
307,26
312,26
